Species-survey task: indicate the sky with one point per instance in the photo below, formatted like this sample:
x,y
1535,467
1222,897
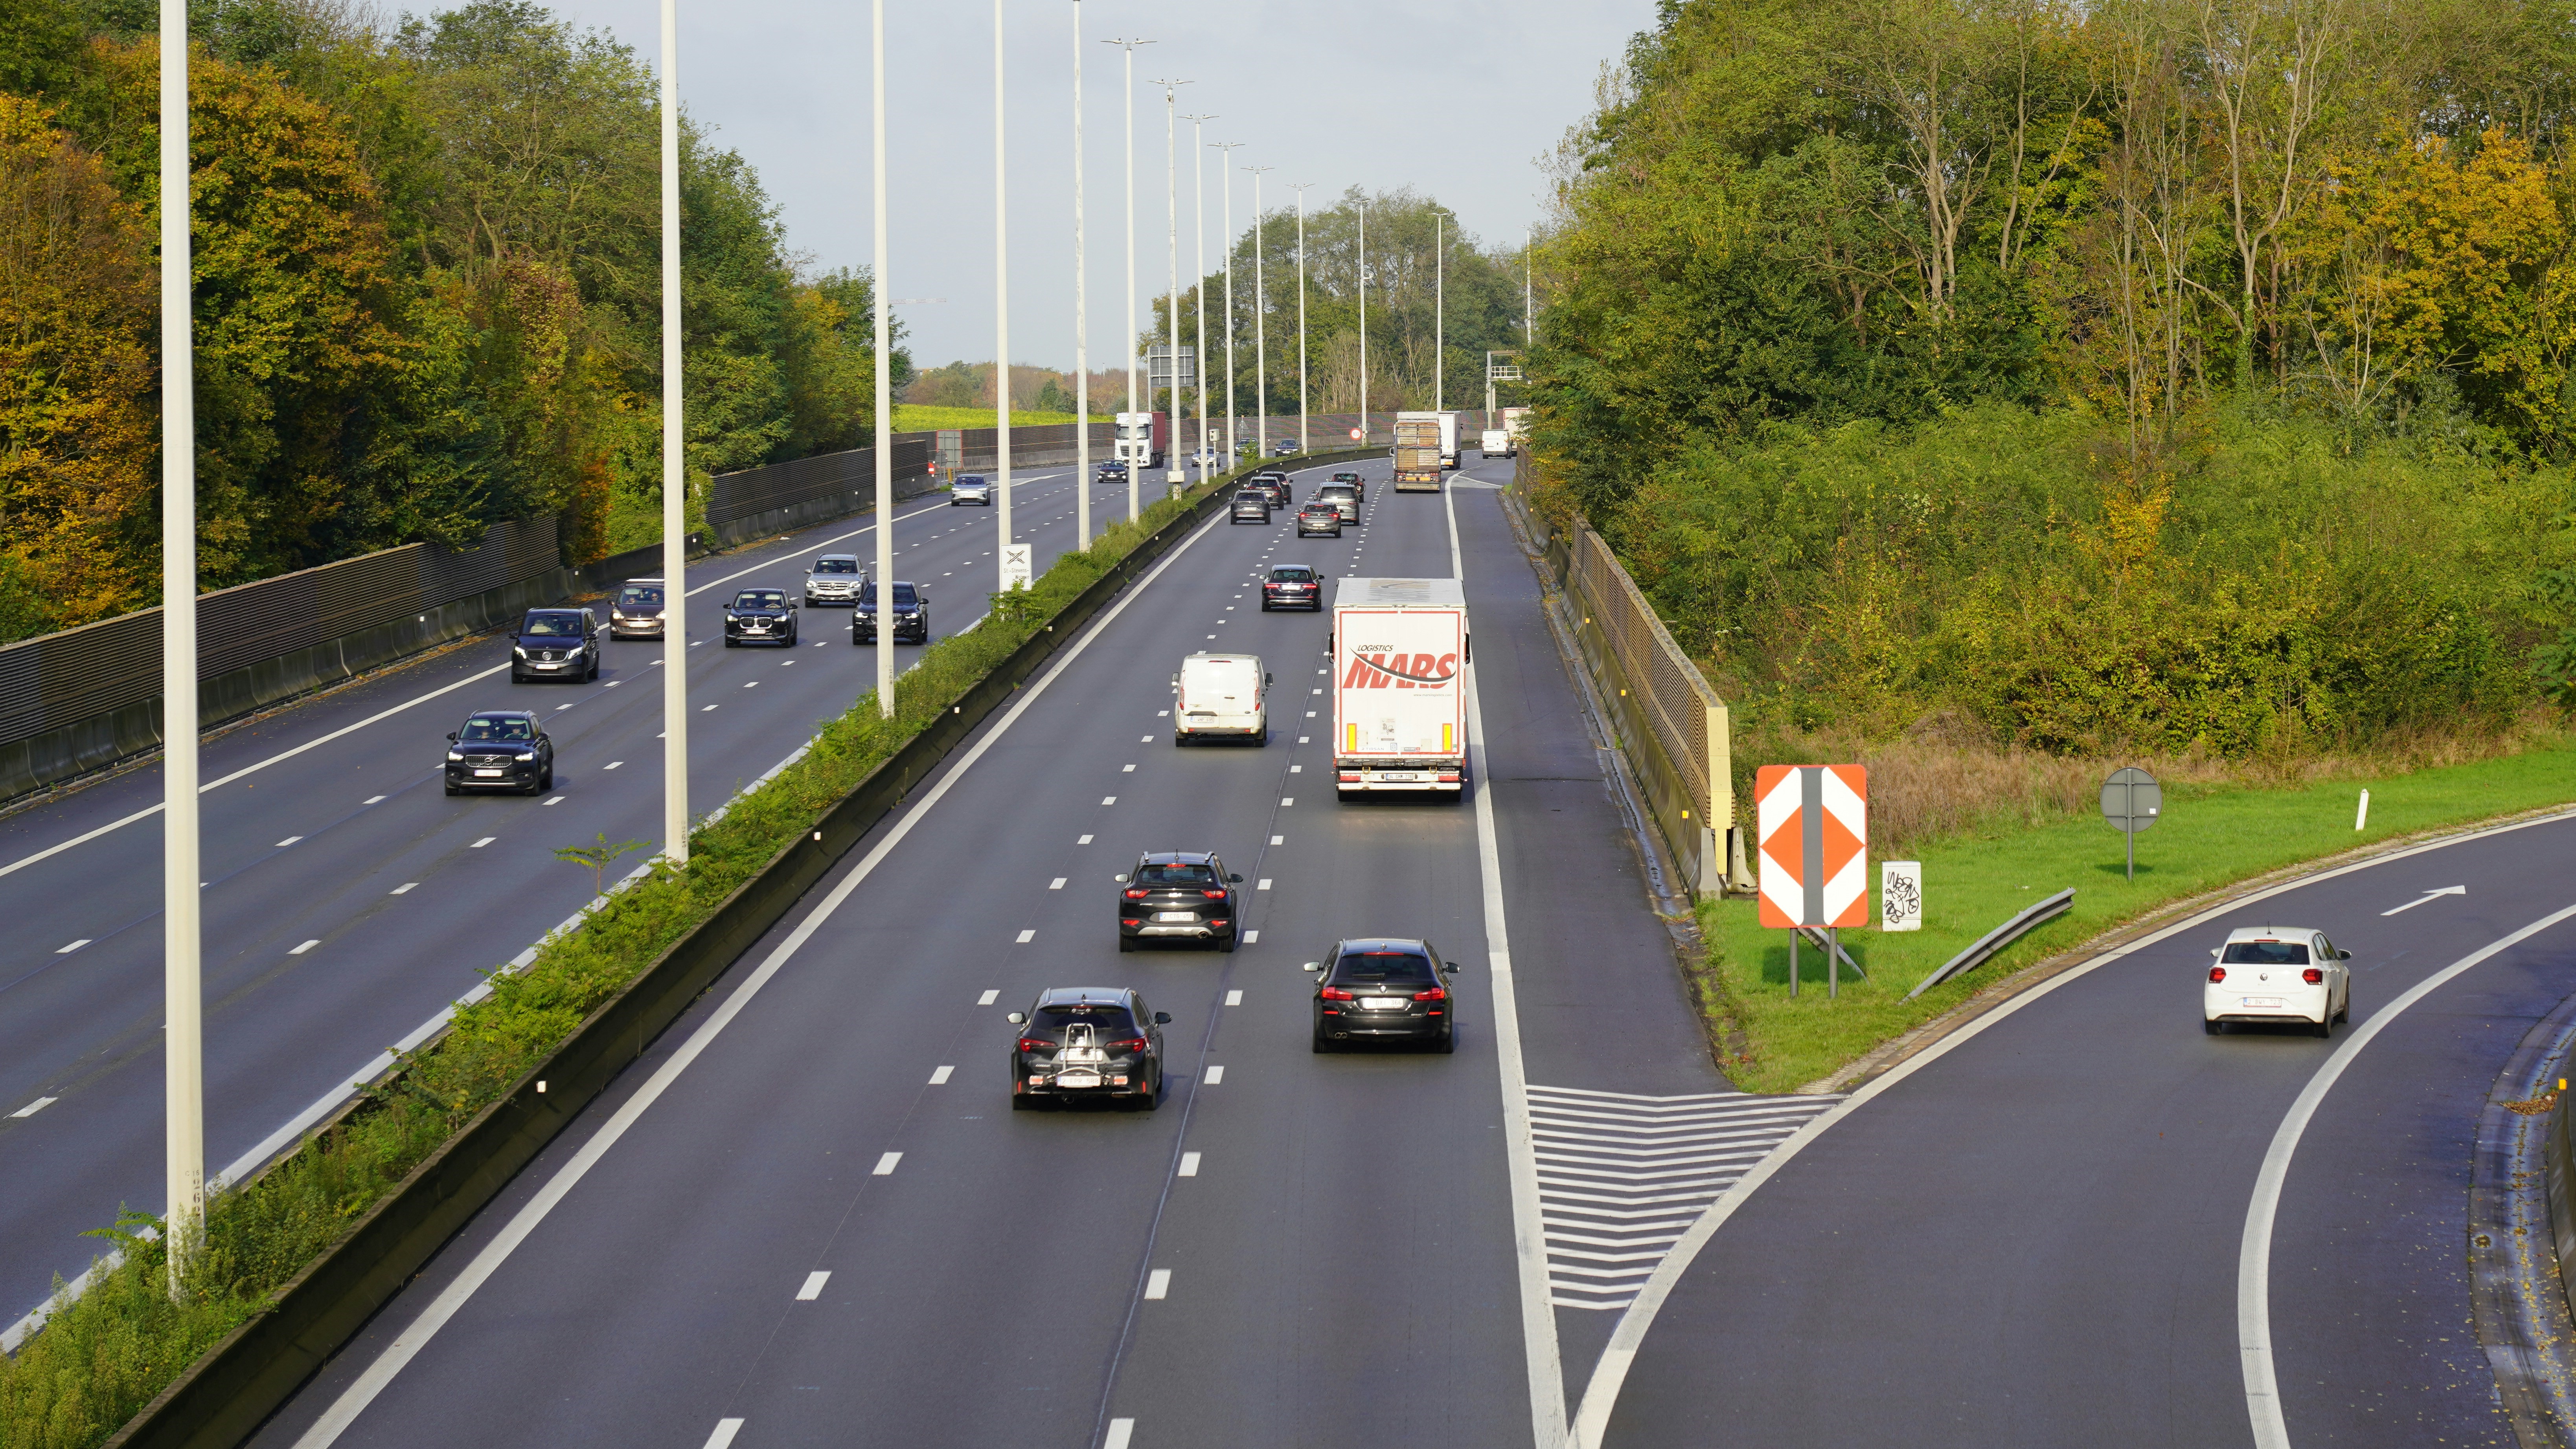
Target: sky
x,y
1458,100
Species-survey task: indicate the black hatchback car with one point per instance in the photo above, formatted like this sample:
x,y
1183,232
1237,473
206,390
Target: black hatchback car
x,y
1088,1041
911,615
1383,988
760,616
555,644
1252,505
1177,895
1319,516
1113,471
1292,586
500,749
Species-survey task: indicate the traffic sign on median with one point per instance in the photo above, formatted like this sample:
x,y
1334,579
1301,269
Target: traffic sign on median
x,y
1015,566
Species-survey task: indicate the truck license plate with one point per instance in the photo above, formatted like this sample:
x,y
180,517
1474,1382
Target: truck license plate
x,y
1399,775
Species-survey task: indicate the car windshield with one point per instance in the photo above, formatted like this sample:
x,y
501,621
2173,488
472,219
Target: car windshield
x,y
2267,953
1293,574
760,599
836,565
1395,968
904,597
1346,477
971,480
1175,875
635,596
553,625
504,728
1108,1020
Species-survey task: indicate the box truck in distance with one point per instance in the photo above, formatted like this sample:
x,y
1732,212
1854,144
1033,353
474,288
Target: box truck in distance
x,y
1497,443
1417,452
1399,649
1143,439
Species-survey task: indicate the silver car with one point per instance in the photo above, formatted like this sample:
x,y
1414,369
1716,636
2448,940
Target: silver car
x,y
636,611
834,579
971,488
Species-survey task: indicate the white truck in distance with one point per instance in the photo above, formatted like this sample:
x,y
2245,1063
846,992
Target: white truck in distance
x,y
1399,649
1497,443
1221,696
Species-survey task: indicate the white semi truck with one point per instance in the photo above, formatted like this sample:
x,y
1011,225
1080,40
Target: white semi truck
x,y
1399,649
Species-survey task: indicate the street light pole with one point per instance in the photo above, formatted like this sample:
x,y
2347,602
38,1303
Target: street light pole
x,y
1260,322
675,473
1124,452
1439,307
1081,320
1198,330
884,398
1173,477
1001,337
1231,428
1363,289
1300,188
182,990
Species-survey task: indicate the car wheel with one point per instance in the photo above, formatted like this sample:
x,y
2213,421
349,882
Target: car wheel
x,y
594,669
1448,1042
517,678
1022,1101
452,790
1323,1043
728,641
1227,945
546,781
2325,1027
1126,944
1262,740
2346,1013
2209,1028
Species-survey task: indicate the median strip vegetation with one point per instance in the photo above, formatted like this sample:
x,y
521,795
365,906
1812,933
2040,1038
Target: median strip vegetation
x,y
104,1355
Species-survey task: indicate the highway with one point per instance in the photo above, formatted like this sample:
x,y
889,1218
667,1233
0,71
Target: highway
x,y
2040,1235
348,899
810,1207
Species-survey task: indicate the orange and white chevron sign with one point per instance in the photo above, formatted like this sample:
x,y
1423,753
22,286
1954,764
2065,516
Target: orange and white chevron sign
x,y
1813,823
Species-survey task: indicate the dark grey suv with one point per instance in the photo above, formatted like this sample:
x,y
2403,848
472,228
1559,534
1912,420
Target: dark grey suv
x,y
1088,1041
500,749
1384,988
1252,505
1178,894
555,644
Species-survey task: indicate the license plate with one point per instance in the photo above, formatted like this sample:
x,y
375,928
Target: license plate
x,y
1176,915
2260,1001
1399,775
1383,1003
1077,1079
489,774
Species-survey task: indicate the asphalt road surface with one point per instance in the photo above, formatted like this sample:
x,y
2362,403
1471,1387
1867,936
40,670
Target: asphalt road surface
x,y
348,899
810,1213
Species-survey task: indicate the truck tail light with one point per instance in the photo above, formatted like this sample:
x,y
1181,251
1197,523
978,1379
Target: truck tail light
x,y
2313,976
2217,973
1351,777
1448,777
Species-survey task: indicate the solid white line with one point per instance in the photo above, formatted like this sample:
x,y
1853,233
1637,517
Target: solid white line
x,y
1601,1393
1538,1317
939,1078
1213,1076
2254,1253
34,1107
723,1436
1189,1165
1158,1284
407,1344
813,1288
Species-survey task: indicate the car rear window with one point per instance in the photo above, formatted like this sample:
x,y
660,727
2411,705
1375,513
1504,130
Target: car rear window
x,y
1335,490
1106,1019
1395,968
1293,575
633,597
1175,875
2267,953
555,625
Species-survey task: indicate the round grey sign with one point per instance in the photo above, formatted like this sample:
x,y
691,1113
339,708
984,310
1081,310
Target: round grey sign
x,y
2131,799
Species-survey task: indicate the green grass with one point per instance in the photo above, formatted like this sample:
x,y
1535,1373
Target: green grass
x,y
911,419
2209,837
105,1355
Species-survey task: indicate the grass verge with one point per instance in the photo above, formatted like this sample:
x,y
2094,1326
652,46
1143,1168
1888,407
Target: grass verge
x,y
101,1357
2210,836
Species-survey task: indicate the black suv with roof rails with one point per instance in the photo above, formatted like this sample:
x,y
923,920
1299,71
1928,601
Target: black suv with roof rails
x,y
1178,895
761,616
1384,988
500,749
555,644
1088,1041
1292,586
911,614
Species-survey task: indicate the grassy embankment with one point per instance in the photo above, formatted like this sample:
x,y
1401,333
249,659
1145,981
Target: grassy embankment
x,y
105,1355
910,418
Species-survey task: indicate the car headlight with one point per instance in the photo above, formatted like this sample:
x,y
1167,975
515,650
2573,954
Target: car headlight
x,y
453,756
520,650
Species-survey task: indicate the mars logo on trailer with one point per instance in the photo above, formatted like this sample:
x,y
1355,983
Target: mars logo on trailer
x,y
1402,671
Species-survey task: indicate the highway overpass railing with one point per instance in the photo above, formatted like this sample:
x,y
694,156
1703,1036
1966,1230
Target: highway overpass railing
x,y
1672,725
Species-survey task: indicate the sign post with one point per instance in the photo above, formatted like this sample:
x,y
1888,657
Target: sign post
x,y
1015,566
2131,800
1813,824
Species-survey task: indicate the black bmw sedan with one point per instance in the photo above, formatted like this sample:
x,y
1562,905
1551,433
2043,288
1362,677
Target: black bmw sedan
x,y
1292,586
911,615
760,616
1177,894
1382,988
500,749
1088,1041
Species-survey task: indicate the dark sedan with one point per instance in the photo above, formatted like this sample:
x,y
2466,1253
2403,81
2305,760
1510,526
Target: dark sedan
x,y
1113,471
1252,505
555,644
500,749
1384,989
911,615
1319,516
760,616
1088,1041
1292,586
1177,895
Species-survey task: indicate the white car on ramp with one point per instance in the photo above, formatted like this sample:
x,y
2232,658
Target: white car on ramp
x,y
2277,974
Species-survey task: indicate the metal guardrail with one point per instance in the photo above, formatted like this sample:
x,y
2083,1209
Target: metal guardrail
x,y
1997,939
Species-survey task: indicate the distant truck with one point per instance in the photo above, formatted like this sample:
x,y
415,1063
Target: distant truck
x,y
1516,423
1498,443
1449,439
1417,452
1143,439
1399,649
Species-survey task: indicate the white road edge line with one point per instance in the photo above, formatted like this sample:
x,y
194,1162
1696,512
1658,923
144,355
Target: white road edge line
x,y
2254,1254
1529,1246
1601,1393
416,1335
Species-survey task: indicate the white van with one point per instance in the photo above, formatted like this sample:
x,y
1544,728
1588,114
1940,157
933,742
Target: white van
x,y
1221,696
